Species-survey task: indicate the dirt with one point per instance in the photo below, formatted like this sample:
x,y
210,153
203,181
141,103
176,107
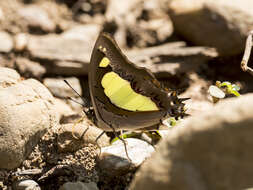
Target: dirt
x,y
51,168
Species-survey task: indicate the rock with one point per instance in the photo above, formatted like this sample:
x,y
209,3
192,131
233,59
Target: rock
x,y
69,68
198,94
211,150
8,77
2,16
5,61
162,26
141,24
173,58
54,47
29,68
60,89
68,53
41,20
87,33
63,108
72,136
113,160
79,186
26,112
21,41
119,12
70,118
76,104
195,107
93,19
26,185
221,24
6,44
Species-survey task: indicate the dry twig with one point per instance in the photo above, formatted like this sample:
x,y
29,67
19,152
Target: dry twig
x,y
246,55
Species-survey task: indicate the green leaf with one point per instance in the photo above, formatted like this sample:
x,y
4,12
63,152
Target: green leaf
x,y
170,122
124,136
230,88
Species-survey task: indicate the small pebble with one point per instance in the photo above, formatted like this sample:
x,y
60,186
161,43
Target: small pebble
x,y
113,159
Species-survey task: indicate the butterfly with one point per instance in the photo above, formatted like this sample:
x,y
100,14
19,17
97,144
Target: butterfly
x,y
125,96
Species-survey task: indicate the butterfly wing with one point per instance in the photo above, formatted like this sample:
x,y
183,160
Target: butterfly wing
x,y
123,95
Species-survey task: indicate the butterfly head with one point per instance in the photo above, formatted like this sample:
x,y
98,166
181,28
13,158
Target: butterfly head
x,y
177,106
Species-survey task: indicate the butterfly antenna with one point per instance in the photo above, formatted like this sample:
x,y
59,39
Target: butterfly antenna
x,y
84,101
73,100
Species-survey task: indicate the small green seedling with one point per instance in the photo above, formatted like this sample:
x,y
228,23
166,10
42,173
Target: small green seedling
x,y
221,89
125,136
229,88
170,122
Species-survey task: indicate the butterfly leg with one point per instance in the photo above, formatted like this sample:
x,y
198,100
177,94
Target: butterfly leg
x,y
85,132
124,142
121,134
96,141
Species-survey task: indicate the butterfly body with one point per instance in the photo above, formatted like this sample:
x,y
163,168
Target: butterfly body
x,y
124,96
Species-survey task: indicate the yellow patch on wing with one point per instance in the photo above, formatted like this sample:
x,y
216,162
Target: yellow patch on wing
x,y
121,94
104,62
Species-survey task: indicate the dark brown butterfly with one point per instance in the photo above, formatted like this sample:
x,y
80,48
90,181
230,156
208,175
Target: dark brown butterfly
x,y
124,96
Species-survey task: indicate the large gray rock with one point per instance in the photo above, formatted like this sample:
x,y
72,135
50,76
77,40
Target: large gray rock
x,y
212,150
68,53
26,112
221,24
173,58
56,47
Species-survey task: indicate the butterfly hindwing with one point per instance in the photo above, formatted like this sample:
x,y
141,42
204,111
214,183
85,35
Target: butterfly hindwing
x,y
123,95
